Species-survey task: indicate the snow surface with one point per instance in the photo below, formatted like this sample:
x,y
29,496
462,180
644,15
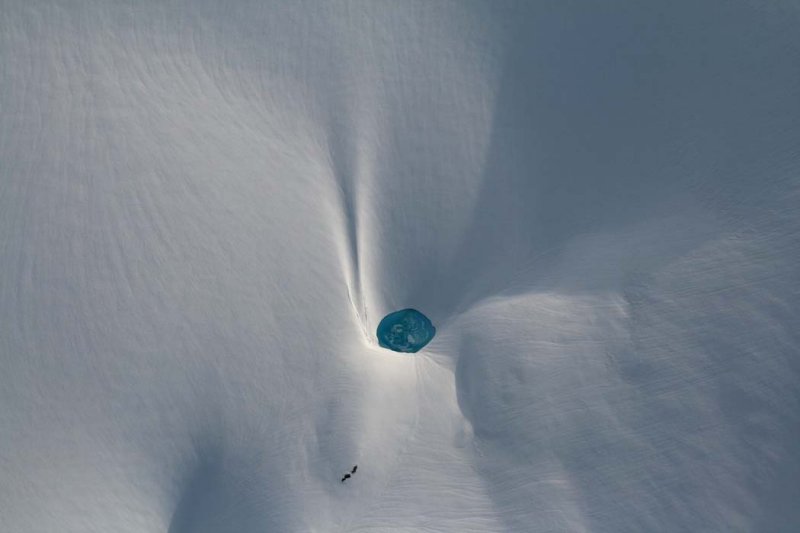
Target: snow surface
x,y
206,207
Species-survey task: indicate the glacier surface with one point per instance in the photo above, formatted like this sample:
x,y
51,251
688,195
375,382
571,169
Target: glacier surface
x,y
207,207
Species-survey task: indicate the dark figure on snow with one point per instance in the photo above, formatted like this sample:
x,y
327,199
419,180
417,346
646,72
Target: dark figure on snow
x,y
353,471
346,476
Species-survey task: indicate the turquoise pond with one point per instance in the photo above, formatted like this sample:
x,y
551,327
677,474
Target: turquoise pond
x,y
405,331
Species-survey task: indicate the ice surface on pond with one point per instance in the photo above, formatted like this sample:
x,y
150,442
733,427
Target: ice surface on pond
x,y
405,331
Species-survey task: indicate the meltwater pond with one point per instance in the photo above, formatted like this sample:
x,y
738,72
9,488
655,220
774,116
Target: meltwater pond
x,y
405,331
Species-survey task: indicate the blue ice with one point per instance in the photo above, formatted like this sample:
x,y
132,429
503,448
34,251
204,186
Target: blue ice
x,y
406,331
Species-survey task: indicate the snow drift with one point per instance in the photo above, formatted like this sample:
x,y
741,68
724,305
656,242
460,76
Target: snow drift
x,y
206,208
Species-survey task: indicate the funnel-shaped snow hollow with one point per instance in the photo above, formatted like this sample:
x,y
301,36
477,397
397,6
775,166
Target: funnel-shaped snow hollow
x,y
405,331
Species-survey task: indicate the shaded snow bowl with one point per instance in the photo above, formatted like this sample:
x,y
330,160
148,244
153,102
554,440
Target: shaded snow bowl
x,y
406,331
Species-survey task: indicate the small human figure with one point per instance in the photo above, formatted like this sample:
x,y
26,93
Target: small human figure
x,y
353,471
346,476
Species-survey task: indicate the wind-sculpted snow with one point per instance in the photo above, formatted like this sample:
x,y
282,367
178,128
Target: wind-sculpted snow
x,y
206,209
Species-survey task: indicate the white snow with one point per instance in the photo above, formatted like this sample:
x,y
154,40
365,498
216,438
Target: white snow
x,y
207,207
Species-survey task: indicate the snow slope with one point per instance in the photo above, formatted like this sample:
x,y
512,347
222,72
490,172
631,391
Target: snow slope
x,y
207,207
